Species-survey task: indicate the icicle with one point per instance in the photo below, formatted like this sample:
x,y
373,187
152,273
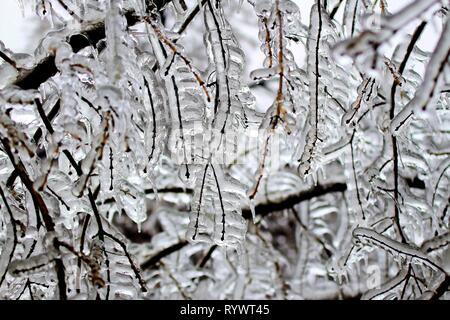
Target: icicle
x,y
386,287
433,79
313,143
7,249
252,209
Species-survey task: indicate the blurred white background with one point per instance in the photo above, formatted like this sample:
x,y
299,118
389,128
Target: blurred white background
x,y
21,29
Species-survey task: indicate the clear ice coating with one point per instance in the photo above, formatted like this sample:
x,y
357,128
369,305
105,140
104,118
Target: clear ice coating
x,y
204,149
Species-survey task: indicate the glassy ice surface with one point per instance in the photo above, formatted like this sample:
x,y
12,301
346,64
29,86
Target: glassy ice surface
x,y
260,149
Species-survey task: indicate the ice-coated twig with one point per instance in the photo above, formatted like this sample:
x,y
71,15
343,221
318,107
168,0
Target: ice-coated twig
x,y
432,81
366,236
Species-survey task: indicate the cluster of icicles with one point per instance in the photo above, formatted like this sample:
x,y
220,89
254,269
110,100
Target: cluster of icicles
x,y
126,114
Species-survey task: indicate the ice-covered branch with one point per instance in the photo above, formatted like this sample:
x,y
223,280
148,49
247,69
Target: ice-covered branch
x,y
291,200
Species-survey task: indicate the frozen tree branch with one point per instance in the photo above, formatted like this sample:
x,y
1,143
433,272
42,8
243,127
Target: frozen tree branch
x,y
141,139
293,199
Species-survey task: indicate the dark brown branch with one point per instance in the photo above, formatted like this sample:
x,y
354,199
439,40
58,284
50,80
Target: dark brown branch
x,y
409,50
91,36
32,79
25,178
358,196
162,254
207,256
292,199
221,202
37,136
170,190
200,202
42,207
190,17
335,9
82,238
135,268
442,288
149,93
13,223
8,59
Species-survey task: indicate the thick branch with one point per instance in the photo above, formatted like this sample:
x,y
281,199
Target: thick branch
x,y
441,289
162,254
292,199
32,79
90,36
